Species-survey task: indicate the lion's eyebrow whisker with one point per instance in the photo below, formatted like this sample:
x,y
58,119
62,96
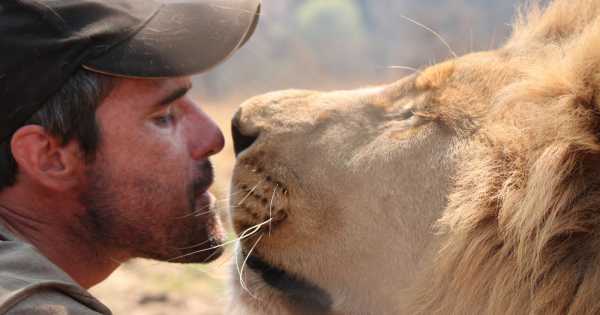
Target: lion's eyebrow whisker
x,y
436,34
412,69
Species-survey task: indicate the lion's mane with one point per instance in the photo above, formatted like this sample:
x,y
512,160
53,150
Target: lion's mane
x,y
522,228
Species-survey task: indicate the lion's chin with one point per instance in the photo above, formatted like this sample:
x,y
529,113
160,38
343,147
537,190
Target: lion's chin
x,y
300,295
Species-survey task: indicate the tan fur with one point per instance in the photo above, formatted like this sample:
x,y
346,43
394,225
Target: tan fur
x,y
485,201
522,225
435,77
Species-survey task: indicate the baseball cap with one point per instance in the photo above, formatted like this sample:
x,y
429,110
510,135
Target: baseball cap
x,y
44,42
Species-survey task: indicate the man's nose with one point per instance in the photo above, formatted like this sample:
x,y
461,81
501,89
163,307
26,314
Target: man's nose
x,y
207,138
241,141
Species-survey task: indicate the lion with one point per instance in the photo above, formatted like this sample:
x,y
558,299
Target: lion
x,y
471,187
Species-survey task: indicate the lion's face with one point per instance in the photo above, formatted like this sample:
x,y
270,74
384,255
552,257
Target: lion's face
x,y
346,185
472,187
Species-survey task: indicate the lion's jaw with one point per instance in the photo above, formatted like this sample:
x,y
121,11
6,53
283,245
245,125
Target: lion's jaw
x,y
353,182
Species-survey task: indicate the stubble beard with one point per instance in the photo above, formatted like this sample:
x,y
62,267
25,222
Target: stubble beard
x,y
184,236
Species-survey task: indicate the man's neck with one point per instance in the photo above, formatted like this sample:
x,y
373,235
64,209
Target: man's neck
x,y
56,233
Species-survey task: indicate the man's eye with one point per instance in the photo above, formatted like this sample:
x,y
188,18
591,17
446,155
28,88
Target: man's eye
x,y
164,121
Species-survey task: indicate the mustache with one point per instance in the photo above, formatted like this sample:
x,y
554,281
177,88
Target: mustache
x,y
204,178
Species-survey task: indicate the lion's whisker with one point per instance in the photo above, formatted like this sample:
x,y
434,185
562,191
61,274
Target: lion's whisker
x,y
249,193
241,270
209,257
271,207
246,234
202,211
228,198
196,212
199,214
193,246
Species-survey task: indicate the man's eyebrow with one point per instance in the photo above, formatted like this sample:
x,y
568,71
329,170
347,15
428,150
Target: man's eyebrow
x,y
173,96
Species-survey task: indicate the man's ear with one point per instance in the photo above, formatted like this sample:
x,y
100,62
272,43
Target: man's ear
x,y
45,160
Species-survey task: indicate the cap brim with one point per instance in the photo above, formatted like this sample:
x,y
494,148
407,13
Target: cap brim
x,y
183,38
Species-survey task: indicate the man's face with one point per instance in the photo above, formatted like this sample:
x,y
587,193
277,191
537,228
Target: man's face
x,y
147,184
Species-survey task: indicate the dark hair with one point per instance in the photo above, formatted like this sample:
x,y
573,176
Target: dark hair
x,y
70,114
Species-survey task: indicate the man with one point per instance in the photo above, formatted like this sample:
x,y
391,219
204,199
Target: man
x,y
103,157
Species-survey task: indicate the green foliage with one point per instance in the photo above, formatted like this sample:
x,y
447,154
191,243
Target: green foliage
x,y
320,20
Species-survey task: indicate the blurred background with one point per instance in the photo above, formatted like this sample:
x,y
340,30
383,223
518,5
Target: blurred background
x,y
314,44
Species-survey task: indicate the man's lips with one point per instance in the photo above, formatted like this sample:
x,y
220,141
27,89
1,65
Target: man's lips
x,y
204,178
204,199
205,204
200,190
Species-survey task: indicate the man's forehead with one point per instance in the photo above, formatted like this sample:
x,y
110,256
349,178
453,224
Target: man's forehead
x,y
146,93
157,85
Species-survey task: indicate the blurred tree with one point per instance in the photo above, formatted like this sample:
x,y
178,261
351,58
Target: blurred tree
x,y
321,21
365,9
334,31
328,44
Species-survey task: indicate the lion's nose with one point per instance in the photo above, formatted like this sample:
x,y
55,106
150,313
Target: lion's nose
x,y
241,141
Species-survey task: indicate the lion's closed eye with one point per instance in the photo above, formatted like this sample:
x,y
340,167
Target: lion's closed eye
x,y
404,129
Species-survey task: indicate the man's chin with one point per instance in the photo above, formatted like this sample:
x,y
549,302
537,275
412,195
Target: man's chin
x,y
207,244
200,255
203,250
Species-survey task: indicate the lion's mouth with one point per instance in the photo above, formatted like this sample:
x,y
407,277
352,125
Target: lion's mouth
x,y
301,294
